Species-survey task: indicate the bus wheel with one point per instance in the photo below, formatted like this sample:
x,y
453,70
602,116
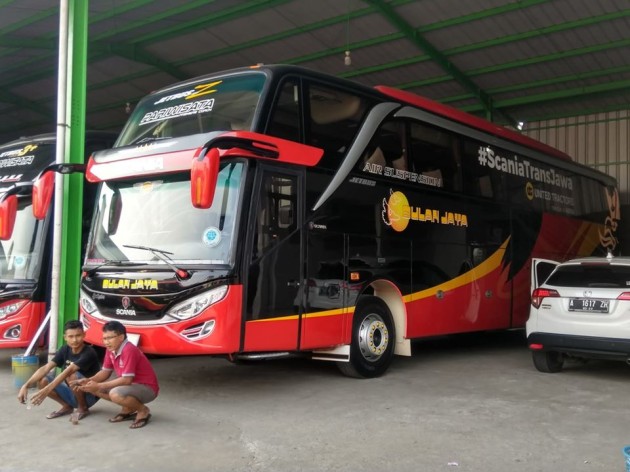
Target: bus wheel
x,y
373,338
548,361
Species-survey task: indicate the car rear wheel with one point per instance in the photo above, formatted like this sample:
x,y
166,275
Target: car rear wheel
x,y
548,361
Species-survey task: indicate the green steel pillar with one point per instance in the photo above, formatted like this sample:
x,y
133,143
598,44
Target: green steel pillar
x,y
70,263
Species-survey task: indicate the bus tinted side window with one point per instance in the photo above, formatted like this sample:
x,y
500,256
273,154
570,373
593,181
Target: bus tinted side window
x,y
333,120
285,120
386,148
277,211
592,195
479,179
435,154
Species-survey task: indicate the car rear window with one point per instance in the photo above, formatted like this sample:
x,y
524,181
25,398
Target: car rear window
x,y
590,276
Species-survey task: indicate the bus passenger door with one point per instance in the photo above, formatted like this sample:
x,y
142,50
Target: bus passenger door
x,y
326,289
273,286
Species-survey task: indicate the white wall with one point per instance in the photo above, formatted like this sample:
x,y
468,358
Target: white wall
x,y
601,141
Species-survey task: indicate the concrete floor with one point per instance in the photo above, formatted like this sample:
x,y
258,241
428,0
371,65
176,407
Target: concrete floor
x,y
469,403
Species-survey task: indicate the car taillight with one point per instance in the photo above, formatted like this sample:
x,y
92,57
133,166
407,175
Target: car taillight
x,y
541,293
624,296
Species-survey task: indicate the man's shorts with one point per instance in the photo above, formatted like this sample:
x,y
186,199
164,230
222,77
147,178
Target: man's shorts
x,y
143,393
67,395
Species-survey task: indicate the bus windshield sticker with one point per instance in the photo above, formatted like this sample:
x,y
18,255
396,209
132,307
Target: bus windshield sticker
x,y
185,109
19,261
147,187
211,236
10,178
20,152
397,213
198,91
14,161
204,89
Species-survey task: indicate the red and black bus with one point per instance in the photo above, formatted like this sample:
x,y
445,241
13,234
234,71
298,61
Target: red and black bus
x,y
274,210
26,245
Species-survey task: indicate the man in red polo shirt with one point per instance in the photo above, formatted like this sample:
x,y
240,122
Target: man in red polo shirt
x,y
136,383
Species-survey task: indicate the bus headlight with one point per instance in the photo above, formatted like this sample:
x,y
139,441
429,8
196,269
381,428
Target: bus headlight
x,y
193,306
86,303
11,309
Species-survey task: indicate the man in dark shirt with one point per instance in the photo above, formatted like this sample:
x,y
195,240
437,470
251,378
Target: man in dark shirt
x,y
77,360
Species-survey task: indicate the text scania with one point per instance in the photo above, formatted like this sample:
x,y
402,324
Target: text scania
x,y
522,168
125,312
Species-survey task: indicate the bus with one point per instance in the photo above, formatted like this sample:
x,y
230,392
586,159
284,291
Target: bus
x,y
276,211
26,244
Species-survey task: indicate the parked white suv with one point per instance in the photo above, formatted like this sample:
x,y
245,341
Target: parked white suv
x,y
581,309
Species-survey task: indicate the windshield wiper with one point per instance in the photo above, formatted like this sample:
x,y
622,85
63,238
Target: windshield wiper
x,y
163,256
149,139
109,262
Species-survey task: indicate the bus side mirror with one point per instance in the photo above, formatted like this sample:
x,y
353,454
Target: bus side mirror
x,y
8,212
203,178
42,193
45,184
115,209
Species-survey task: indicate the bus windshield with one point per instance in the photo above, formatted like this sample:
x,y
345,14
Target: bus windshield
x,y
158,214
20,256
220,104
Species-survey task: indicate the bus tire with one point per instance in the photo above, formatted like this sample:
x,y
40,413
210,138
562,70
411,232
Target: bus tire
x,y
548,362
373,339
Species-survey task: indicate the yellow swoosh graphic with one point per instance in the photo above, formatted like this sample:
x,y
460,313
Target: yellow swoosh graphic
x,y
486,267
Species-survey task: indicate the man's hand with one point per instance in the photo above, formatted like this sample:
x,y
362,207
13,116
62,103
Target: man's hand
x,y
39,397
23,394
90,387
76,384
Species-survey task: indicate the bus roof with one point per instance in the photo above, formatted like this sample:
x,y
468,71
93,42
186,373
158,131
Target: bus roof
x,y
22,159
41,138
389,93
275,71
52,137
401,96
470,120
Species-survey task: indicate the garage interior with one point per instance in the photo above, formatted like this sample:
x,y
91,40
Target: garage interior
x,y
556,70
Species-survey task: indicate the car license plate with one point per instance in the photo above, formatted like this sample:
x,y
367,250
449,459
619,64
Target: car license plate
x,y
591,305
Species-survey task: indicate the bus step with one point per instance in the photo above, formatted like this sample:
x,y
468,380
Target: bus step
x,y
337,354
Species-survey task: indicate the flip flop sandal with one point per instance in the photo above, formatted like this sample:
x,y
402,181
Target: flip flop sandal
x,y
57,414
141,423
78,416
123,417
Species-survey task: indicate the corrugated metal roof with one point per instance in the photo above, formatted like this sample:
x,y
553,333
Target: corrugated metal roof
x,y
524,60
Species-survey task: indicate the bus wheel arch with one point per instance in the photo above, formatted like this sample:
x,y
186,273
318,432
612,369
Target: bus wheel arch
x,y
389,293
376,323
